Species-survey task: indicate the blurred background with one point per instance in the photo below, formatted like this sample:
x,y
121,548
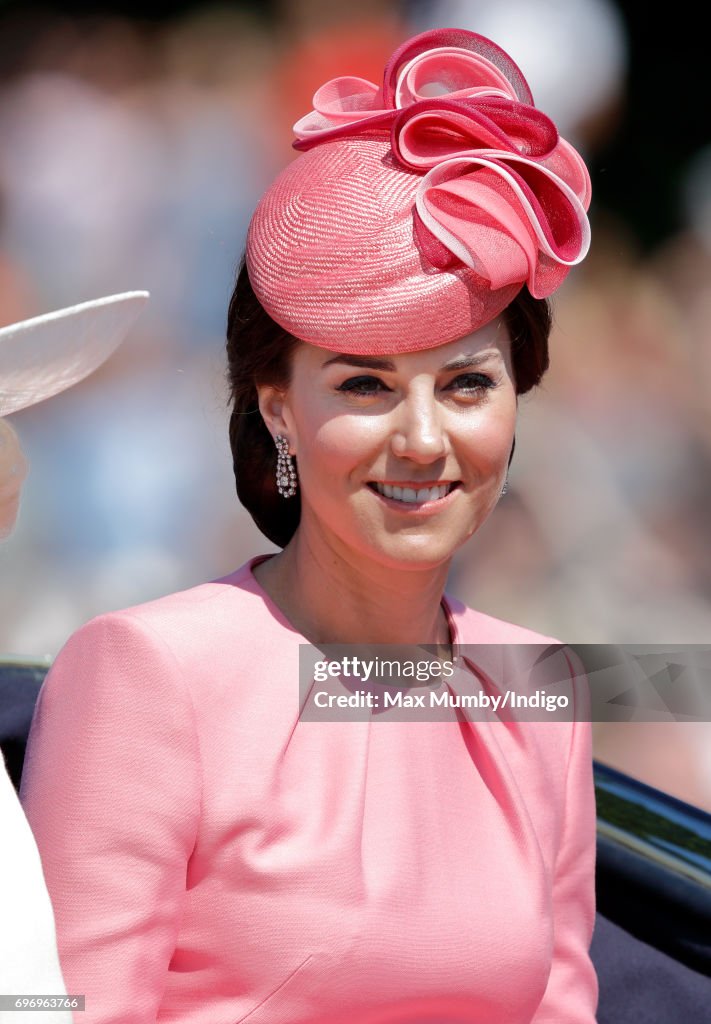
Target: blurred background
x,y
135,141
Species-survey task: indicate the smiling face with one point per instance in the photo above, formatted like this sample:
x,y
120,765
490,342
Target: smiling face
x,y
400,458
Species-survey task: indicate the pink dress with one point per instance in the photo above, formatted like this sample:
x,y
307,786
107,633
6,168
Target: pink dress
x,y
212,859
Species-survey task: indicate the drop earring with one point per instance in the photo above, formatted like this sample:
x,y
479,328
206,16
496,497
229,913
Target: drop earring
x,y
286,479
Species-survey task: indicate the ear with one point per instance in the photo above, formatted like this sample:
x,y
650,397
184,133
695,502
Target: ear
x,y
273,407
513,448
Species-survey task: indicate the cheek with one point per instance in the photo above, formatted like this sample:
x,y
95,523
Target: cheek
x,y
333,448
487,439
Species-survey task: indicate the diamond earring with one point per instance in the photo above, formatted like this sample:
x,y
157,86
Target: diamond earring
x,y
286,479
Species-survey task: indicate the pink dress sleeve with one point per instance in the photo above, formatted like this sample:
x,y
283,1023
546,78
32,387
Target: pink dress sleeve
x,y
111,788
572,991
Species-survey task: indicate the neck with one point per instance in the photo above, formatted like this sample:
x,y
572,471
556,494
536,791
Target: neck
x,y
336,596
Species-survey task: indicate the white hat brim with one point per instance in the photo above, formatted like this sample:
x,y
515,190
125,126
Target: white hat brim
x,y
48,354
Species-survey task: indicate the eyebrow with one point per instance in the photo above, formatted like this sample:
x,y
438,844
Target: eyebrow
x,y
373,363
367,362
463,362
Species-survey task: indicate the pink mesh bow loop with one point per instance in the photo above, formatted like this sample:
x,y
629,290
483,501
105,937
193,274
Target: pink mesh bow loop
x,y
458,64
452,60
430,131
508,219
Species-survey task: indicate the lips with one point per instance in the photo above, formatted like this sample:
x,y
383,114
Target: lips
x,y
411,495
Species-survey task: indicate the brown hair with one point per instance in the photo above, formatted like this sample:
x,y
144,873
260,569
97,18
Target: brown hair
x,y
259,352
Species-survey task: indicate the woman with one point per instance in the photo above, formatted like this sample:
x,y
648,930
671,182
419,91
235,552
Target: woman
x,y
212,856
38,359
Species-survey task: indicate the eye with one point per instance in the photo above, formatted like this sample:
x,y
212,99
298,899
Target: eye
x,y
472,383
363,385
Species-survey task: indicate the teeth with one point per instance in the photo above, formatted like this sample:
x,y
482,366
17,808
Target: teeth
x,y
410,495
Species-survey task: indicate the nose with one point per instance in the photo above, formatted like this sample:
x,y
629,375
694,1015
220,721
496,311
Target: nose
x,y
418,432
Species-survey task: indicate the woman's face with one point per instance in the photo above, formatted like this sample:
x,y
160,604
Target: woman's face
x,y
400,458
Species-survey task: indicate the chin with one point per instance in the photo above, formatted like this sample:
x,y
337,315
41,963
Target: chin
x,y
413,553
418,547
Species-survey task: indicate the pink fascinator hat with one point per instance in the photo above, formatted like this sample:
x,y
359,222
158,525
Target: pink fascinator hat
x,y
48,354
419,208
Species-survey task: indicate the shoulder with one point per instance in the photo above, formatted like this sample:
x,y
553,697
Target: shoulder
x,y
477,627
184,634
525,662
208,600
212,613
